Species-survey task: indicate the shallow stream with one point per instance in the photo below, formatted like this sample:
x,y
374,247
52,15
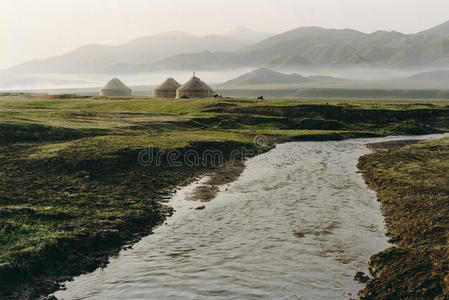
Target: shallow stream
x,y
297,224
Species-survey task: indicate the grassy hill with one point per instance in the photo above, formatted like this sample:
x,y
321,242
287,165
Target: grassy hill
x,y
266,76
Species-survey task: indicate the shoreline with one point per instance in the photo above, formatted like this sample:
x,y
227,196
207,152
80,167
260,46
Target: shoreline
x,y
410,178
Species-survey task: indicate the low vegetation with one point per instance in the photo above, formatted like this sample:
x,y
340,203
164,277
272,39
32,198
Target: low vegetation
x,y
73,191
337,91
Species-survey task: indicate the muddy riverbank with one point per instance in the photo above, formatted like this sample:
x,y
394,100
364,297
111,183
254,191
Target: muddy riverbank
x,y
412,183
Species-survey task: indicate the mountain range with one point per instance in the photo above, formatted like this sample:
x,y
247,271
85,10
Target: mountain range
x,y
303,48
318,48
96,58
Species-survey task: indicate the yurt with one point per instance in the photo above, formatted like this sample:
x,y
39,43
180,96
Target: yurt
x,y
115,88
194,88
167,89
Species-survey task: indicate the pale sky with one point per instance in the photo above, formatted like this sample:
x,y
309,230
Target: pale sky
x,y
32,29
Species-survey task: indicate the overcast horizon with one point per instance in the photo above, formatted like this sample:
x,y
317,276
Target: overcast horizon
x,y
51,27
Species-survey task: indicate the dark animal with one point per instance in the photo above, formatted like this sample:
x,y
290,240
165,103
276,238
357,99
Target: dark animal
x,y
184,97
260,98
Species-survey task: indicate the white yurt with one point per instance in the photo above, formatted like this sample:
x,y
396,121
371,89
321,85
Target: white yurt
x,y
194,88
167,89
115,88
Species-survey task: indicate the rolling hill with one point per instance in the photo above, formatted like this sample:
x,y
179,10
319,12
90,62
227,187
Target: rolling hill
x,y
431,79
266,76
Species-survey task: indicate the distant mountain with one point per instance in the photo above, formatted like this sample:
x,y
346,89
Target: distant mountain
x,y
352,60
314,47
437,75
440,30
294,50
317,46
144,50
438,79
203,60
290,63
433,79
309,47
327,79
247,34
266,76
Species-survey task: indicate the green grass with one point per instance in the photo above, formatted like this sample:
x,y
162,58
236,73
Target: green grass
x,y
96,126
305,92
291,133
99,147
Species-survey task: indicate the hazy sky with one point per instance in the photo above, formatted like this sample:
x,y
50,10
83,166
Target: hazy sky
x,y
41,28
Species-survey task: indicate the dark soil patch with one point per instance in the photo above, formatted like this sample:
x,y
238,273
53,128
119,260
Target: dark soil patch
x,y
31,132
348,114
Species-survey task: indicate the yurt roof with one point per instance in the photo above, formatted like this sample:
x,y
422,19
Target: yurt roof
x,y
115,84
195,84
169,84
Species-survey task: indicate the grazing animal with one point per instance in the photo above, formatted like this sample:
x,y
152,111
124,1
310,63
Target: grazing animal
x,y
184,97
260,98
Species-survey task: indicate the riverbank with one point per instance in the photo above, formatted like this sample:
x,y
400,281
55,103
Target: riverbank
x,y
412,183
78,181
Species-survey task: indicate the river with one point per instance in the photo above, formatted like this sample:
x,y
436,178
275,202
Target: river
x,y
297,224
